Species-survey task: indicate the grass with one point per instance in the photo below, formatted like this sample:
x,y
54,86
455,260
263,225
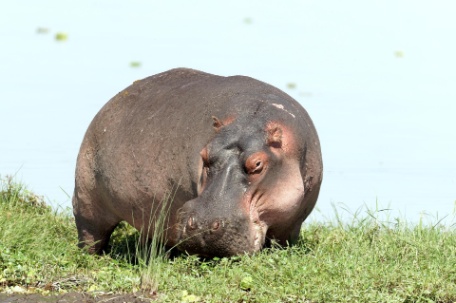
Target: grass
x,y
365,260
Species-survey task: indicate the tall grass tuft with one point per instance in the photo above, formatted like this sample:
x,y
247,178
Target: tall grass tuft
x,y
151,250
145,249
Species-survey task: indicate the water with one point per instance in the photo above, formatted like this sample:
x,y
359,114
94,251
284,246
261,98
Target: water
x,y
377,79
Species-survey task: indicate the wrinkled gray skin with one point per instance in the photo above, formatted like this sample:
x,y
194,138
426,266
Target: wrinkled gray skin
x,y
240,159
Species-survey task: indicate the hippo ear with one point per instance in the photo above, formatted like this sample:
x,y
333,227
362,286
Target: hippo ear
x,y
217,124
275,136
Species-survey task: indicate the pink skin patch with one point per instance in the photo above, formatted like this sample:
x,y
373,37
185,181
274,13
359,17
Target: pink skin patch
x,y
273,204
280,139
202,173
276,205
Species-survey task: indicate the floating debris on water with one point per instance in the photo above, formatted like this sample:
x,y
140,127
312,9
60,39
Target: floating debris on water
x,y
291,85
399,54
248,20
61,36
42,30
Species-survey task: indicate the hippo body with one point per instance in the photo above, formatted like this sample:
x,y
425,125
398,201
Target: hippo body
x,y
232,161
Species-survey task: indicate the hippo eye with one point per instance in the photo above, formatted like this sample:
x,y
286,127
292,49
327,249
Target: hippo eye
x,y
258,167
255,163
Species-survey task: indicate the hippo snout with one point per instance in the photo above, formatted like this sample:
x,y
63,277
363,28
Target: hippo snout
x,y
204,235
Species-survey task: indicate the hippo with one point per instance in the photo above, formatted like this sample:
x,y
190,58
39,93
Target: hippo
x,y
229,164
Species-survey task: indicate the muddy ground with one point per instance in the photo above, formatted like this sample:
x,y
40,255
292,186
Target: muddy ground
x,y
73,297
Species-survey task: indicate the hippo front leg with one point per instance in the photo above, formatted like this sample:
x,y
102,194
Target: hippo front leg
x,y
94,227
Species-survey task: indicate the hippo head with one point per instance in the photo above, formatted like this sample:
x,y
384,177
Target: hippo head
x,y
250,189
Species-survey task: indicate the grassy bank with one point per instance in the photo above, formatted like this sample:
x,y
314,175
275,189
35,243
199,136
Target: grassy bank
x,y
362,261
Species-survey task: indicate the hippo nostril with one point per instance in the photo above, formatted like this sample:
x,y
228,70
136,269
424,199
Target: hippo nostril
x,y
215,225
191,222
